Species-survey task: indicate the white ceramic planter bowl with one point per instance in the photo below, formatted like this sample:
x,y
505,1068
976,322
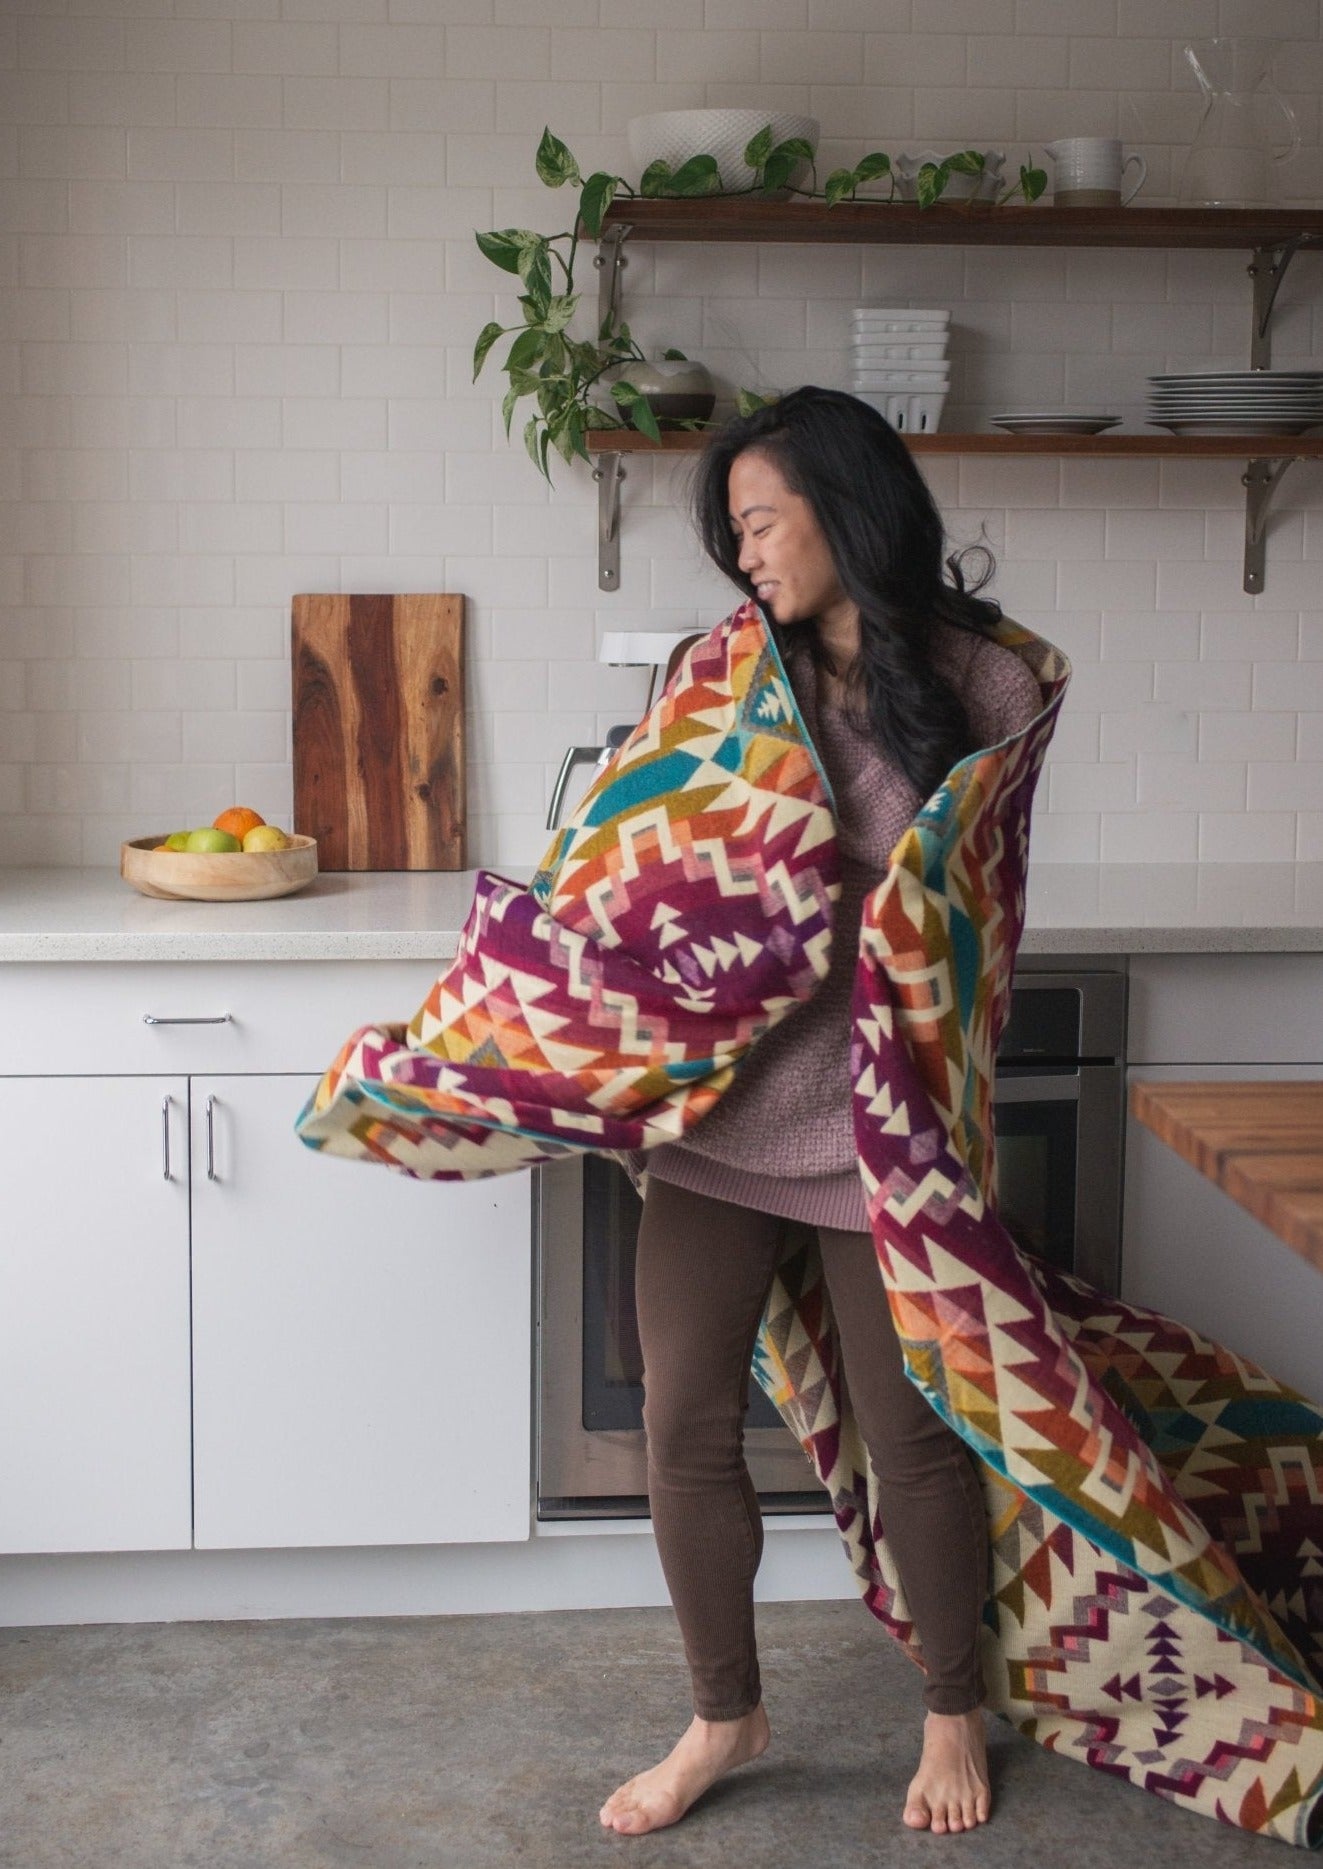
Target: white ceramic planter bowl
x,y
673,136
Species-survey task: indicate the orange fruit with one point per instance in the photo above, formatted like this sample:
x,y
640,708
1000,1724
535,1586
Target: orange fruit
x,y
238,820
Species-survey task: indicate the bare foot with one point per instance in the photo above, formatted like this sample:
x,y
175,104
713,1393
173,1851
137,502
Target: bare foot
x,y
708,1750
950,1790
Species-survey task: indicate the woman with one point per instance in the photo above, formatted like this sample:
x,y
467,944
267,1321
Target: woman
x,y
814,507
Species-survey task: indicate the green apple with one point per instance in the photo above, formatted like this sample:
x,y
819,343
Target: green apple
x,y
212,841
177,840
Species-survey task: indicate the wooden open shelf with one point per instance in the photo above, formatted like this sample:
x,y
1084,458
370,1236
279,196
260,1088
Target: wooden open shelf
x,y
1169,447
1271,235
744,218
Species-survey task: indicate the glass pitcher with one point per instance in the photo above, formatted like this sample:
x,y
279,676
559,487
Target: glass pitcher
x,y
1237,152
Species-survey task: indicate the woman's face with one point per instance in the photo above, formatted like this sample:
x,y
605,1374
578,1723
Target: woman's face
x,y
782,550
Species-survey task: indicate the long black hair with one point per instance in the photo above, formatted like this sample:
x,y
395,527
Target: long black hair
x,y
886,540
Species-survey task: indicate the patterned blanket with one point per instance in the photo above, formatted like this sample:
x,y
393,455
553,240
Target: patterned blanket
x,y
1155,1503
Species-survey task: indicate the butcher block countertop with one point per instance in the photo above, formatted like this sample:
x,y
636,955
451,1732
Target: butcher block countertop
x,y
1260,1143
92,915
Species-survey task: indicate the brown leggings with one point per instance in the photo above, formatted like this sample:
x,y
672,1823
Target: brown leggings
x,y
704,1271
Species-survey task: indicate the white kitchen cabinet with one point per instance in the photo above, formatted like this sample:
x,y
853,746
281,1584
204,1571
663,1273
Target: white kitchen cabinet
x,y
1189,1251
361,1341
287,1351
94,1315
1225,1009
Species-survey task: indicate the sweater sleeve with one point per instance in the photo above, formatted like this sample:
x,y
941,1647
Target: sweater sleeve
x,y
999,692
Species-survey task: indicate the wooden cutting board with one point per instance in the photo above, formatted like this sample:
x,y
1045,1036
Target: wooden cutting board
x,y
379,730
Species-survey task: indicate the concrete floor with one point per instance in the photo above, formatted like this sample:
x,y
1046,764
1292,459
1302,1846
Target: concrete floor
x,y
458,1743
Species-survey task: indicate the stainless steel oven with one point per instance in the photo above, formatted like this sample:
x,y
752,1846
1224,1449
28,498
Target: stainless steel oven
x,y
1060,1123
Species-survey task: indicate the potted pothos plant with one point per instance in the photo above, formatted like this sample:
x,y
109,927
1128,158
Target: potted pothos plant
x,y
582,383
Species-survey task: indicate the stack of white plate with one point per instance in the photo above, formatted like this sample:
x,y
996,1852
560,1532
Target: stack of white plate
x,y
1237,402
899,364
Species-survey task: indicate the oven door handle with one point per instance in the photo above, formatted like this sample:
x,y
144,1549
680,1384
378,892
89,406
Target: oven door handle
x,y
1037,1089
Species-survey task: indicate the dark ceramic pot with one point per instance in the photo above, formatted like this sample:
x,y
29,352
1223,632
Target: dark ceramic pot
x,y
675,392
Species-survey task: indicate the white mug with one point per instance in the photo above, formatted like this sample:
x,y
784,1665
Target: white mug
x,y
1088,171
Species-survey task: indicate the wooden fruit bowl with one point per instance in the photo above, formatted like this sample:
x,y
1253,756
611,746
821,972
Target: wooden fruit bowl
x,y
217,876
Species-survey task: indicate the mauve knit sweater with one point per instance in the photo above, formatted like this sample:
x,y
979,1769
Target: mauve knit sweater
x,y
782,1138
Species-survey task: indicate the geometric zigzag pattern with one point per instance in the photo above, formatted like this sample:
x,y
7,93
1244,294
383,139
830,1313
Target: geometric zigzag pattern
x,y
1155,1504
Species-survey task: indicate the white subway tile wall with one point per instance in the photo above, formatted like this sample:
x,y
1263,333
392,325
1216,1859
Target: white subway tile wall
x,y
238,298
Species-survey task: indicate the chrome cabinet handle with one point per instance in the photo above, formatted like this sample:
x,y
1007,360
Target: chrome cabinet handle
x,y
165,1138
211,1140
220,1018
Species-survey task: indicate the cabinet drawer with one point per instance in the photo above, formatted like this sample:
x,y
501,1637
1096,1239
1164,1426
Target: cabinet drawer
x,y
1226,1009
283,1015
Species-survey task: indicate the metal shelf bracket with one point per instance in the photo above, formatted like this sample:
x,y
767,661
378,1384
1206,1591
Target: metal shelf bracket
x,y
610,262
1267,269
1259,480
608,473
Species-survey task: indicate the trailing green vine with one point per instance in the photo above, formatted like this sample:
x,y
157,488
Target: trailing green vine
x,y
566,375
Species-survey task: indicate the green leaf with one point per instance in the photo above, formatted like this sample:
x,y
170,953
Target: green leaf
x,y
674,356
577,423
930,182
759,148
655,179
839,184
528,347
486,338
598,193
508,402
748,401
555,164
535,268
644,420
965,162
559,311
699,176
505,247
635,404
797,146
879,163
564,434
778,168
1032,183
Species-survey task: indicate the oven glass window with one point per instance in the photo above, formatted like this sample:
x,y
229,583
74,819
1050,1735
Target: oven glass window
x,y
1036,1177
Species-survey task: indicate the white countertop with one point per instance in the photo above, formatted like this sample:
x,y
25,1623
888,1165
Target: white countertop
x,y
90,914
